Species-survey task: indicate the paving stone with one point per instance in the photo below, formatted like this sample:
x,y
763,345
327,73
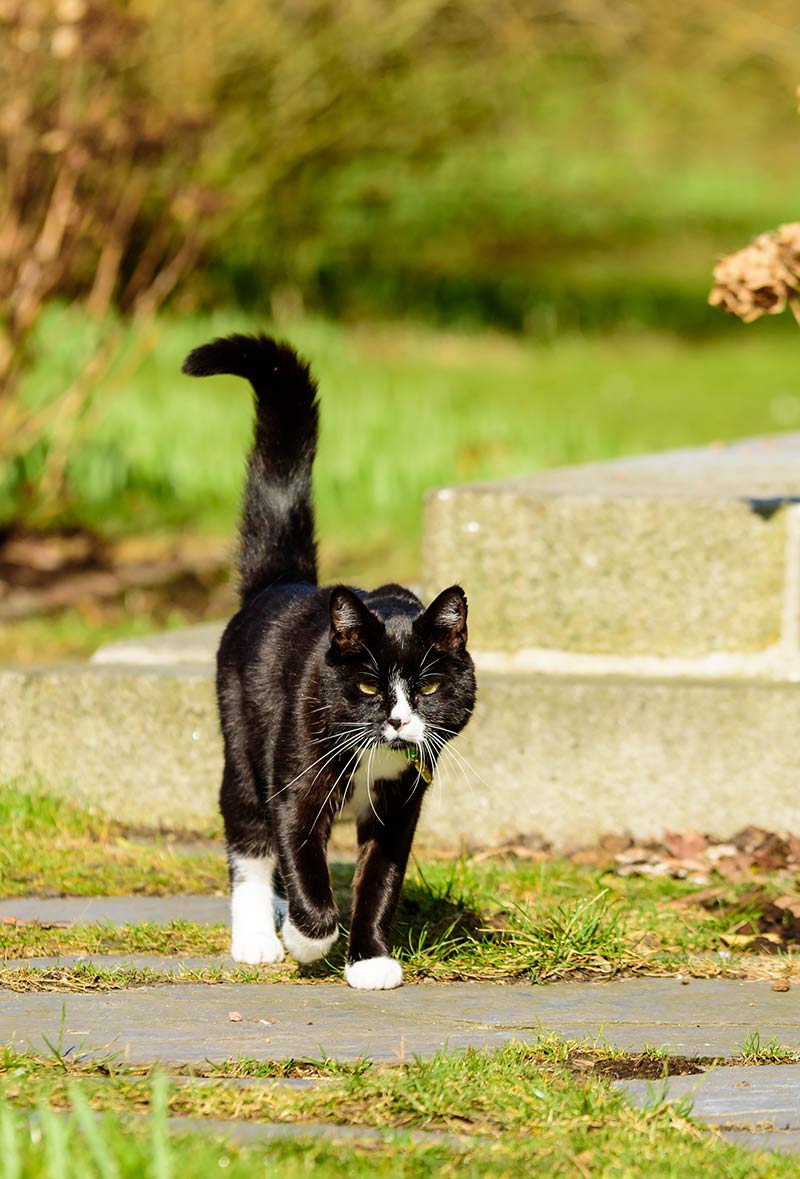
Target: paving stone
x,y
188,1023
786,1142
738,1095
203,910
269,1131
156,962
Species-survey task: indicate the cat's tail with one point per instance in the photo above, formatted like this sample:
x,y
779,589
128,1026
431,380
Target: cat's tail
x,y
277,526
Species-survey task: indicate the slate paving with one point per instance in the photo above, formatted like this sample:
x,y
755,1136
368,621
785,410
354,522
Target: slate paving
x,y
203,910
187,1022
754,1105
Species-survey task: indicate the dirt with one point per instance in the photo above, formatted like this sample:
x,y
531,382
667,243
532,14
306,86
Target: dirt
x,y
44,573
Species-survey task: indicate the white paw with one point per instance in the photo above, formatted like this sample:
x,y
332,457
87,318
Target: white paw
x,y
256,948
306,949
374,974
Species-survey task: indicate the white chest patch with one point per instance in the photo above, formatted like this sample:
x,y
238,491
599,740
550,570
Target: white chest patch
x,y
375,765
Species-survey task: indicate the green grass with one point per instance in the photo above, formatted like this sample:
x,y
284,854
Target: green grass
x,y
458,920
520,1110
51,846
404,409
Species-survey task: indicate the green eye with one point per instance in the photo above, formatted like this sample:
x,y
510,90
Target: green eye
x,y
429,689
368,689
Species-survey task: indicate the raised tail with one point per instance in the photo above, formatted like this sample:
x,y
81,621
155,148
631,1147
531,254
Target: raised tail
x,y
276,538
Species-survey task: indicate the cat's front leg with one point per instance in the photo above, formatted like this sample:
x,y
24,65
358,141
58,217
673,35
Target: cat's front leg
x,y
382,857
253,910
312,924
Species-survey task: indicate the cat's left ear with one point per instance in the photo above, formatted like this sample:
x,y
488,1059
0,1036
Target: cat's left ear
x,y
445,620
349,621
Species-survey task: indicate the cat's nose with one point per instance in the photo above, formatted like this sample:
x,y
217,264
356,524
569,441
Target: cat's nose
x,y
395,722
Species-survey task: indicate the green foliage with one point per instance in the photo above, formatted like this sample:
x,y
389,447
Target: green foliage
x,y
519,1110
561,165
404,409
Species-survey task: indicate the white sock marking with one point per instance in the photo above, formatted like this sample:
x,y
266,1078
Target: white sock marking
x,y
374,974
306,949
253,937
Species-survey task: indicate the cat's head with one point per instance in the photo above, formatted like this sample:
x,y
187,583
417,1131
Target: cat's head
x,y
398,675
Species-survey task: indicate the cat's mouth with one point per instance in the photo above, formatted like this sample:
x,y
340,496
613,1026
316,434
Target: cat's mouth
x,y
401,744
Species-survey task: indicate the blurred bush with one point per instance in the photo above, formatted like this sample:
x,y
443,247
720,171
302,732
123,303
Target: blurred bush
x,y
530,163
533,163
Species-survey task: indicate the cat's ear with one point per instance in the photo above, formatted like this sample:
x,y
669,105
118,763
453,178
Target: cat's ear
x,y
445,620
349,621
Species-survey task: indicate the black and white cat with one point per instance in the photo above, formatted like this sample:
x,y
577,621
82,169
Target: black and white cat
x,y
329,698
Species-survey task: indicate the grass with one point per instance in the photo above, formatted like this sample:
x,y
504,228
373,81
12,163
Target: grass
x,y
404,409
50,846
519,1110
459,920
545,1108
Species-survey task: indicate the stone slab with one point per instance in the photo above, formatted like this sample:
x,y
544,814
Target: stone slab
x,y
132,910
188,1023
191,645
784,1142
567,756
683,554
739,1095
176,966
250,1131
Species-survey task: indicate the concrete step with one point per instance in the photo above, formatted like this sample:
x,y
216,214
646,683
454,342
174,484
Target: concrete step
x,y
636,628
687,555
567,756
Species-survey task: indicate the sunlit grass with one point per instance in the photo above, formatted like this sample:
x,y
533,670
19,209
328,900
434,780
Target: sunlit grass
x,y
520,1110
458,920
404,409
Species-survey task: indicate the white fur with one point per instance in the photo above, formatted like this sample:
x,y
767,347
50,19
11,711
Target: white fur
x,y
412,727
374,974
305,949
378,764
253,937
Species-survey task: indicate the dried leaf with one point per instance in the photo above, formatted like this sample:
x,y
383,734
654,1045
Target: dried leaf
x,y
685,846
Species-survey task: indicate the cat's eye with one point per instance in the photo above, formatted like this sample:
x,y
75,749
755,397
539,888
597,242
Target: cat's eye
x,y
429,689
368,689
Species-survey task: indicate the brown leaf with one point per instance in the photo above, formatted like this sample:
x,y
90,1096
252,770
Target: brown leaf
x,y
685,846
789,904
780,984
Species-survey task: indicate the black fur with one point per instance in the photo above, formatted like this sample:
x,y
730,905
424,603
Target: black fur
x,y
289,668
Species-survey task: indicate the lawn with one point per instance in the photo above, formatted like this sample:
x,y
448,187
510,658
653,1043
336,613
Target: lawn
x,y
404,408
498,918
546,1108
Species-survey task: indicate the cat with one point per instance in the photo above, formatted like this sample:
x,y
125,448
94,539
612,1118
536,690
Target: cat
x,y
328,698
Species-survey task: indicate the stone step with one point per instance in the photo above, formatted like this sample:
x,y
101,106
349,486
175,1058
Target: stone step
x,y
566,756
636,628
689,555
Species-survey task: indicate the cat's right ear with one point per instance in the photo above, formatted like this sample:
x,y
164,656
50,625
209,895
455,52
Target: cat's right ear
x,y
349,620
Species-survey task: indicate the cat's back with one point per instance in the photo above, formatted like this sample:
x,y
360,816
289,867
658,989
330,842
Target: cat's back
x,y
276,625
